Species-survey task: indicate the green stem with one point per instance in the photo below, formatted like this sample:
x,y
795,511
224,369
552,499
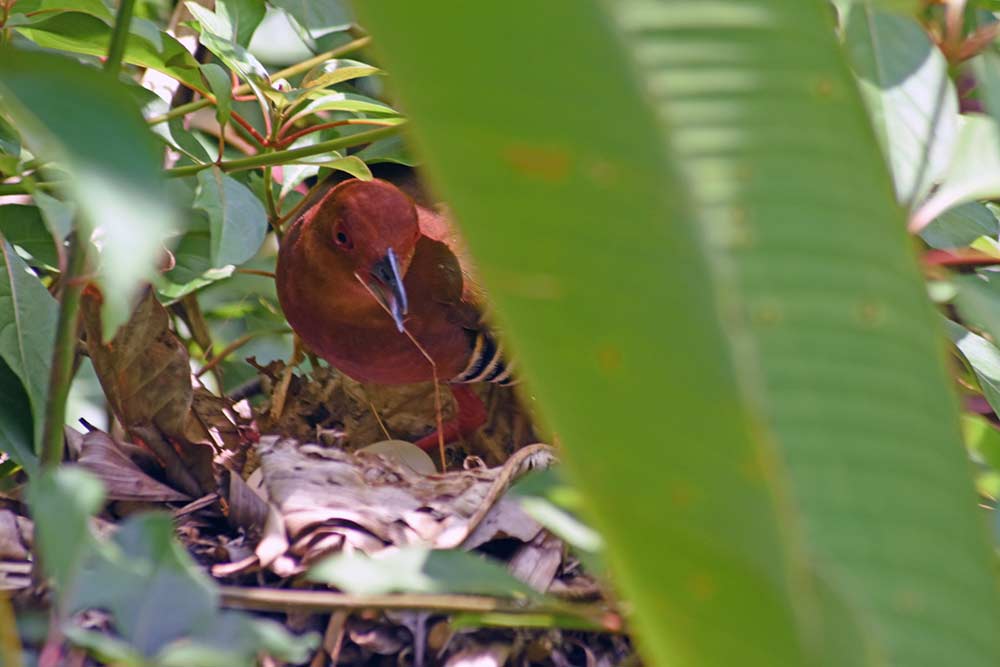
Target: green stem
x,y
23,188
285,157
123,20
63,353
298,68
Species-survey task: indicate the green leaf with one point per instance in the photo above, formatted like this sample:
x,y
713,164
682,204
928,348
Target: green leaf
x,y
749,398
960,226
28,315
243,17
392,149
352,165
16,426
913,104
62,502
547,499
318,18
978,301
24,227
334,101
165,607
418,570
83,33
58,215
221,87
237,219
113,160
974,170
193,268
983,358
331,72
10,139
982,439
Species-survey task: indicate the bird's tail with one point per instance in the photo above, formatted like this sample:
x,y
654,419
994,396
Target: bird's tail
x,y
487,363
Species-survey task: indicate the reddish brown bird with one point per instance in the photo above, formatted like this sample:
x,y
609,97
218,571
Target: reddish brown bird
x,y
364,267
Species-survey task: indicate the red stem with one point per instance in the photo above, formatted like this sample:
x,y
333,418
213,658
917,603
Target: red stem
x,y
286,141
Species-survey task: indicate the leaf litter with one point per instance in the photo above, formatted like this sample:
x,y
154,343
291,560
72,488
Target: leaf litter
x,y
268,501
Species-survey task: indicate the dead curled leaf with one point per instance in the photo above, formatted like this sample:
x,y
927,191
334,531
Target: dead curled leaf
x,y
325,501
123,479
145,374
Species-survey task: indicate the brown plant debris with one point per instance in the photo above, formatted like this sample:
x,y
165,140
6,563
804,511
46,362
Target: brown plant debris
x,y
325,501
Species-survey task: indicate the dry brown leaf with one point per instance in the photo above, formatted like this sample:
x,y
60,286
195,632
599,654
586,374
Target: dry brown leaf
x,y
14,544
145,373
123,479
327,500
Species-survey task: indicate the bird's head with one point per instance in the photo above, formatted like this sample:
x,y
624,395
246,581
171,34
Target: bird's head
x,y
371,228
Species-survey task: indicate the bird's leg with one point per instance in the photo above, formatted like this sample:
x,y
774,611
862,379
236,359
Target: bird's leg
x,y
470,414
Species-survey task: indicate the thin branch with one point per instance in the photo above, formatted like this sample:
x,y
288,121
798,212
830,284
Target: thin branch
x,y
290,139
287,156
63,353
116,50
237,344
298,68
293,600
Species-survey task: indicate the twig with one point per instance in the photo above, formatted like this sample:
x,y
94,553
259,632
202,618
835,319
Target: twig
x,y
292,600
298,68
237,344
10,644
123,20
63,352
287,156
290,139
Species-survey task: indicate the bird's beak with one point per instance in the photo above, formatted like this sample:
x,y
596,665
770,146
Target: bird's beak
x,y
388,287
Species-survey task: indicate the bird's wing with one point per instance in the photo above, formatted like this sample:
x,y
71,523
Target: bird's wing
x,y
438,226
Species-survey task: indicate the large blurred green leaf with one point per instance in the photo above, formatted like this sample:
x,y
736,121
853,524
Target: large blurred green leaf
x,y
112,156
62,502
840,348
28,316
904,81
837,451
611,310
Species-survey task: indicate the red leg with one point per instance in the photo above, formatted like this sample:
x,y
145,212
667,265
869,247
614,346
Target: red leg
x,y
470,415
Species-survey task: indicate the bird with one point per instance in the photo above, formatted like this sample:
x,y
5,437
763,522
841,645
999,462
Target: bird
x,y
383,290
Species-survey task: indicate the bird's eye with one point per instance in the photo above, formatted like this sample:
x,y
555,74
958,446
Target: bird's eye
x,y
342,240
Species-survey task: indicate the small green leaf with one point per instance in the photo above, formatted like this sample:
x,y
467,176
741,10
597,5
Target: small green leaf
x,y
16,436
974,171
58,214
318,18
392,149
352,165
10,140
28,315
978,301
982,439
905,84
960,226
243,17
24,227
221,87
332,72
335,101
418,570
237,220
983,358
